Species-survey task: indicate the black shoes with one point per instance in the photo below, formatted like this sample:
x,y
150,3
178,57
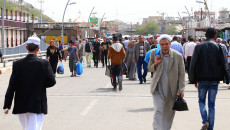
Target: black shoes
x,y
141,82
144,79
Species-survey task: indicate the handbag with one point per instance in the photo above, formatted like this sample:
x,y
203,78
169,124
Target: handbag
x,y
180,104
108,70
79,68
60,69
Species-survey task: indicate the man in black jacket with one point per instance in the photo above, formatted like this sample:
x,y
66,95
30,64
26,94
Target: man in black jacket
x,y
208,67
29,80
1,57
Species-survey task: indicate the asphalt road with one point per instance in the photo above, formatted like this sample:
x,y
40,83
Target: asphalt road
x,y
87,102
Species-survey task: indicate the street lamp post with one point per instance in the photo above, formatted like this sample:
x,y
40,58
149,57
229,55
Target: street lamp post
x,y
205,2
101,23
182,24
63,20
3,44
88,22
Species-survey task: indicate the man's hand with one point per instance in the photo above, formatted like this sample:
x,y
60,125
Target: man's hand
x,y
196,85
94,51
185,60
181,95
158,60
134,62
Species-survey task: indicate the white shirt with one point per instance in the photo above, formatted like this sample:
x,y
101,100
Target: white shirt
x,y
126,42
189,48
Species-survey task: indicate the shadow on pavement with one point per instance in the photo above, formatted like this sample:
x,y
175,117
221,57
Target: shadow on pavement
x,y
141,110
103,90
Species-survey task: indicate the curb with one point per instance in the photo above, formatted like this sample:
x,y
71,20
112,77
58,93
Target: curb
x,y
5,70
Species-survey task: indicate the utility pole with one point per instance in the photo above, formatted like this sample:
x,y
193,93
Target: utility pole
x,y
41,1
3,44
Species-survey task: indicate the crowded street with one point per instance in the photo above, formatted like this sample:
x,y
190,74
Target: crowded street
x,y
88,102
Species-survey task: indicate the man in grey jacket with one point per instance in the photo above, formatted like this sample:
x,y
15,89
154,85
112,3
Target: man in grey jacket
x,y
167,82
140,50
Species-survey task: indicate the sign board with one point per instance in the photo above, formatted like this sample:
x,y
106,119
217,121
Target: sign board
x,y
94,23
58,38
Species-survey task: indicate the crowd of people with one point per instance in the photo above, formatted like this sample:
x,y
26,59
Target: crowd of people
x,y
168,59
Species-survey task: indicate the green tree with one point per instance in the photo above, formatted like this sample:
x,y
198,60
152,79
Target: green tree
x,y
149,28
171,30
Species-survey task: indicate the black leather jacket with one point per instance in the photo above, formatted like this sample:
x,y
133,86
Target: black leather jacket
x,y
208,63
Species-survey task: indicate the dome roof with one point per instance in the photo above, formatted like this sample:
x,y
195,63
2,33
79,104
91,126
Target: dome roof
x,y
79,19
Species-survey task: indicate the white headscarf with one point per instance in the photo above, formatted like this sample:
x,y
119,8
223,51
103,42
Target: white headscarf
x,y
164,36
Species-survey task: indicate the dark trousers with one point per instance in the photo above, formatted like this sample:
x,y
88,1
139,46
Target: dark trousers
x,y
141,63
116,72
104,58
188,64
95,58
53,64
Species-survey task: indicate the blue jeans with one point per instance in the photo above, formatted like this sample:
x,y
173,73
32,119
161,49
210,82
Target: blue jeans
x,y
211,88
141,62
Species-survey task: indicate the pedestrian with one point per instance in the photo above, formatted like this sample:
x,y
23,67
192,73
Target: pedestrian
x,y
126,42
61,50
189,49
96,52
1,57
131,72
183,41
88,52
219,41
151,42
176,45
208,67
52,56
75,42
29,79
167,82
81,50
116,53
140,50
73,58
104,51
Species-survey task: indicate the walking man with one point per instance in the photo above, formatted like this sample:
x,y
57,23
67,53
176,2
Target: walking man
x,y
116,54
88,52
73,57
1,57
208,67
167,82
104,51
140,50
176,45
96,52
80,48
189,49
29,80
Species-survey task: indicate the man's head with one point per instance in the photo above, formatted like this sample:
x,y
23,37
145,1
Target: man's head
x,y
71,43
218,40
175,38
115,39
151,40
126,38
191,39
141,39
224,42
76,39
104,39
211,33
165,43
33,44
96,39
80,41
183,40
86,41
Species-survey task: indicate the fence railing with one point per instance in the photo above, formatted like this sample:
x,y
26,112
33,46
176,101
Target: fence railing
x,y
14,57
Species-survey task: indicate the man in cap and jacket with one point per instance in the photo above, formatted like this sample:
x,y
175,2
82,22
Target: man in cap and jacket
x,y
167,82
29,80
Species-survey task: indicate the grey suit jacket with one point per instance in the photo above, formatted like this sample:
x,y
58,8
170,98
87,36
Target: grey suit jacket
x,y
136,54
176,72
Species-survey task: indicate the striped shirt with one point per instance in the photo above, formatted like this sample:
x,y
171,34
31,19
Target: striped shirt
x,y
142,50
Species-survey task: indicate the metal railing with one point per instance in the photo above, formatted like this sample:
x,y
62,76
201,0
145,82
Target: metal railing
x,y
15,57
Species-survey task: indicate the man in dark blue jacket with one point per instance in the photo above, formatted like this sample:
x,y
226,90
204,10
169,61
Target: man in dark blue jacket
x,y
208,67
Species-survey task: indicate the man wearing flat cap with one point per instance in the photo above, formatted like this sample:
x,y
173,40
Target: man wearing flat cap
x,y
29,80
167,82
